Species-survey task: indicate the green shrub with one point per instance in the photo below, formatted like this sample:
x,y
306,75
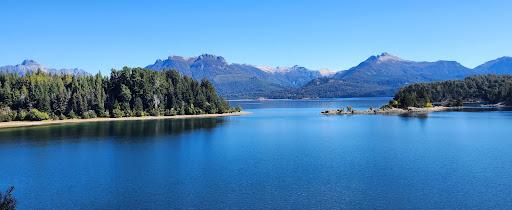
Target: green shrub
x,y
140,113
393,103
117,113
236,109
89,114
62,117
128,113
22,115
190,110
154,112
211,109
72,115
199,111
170,112
6,114
36,115
54,116
103,114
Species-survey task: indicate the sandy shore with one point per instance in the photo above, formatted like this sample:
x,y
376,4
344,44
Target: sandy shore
x,y
14,124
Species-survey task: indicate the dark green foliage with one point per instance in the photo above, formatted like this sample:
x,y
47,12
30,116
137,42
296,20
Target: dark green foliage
x,y
138,92
7,200
6,114
483,88
89,114
22,115
127,92
36,115
117,113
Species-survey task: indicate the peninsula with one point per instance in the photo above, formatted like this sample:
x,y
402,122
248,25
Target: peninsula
x,y
477,91
41,98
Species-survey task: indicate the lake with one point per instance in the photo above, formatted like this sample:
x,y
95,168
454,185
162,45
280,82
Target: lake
x,y
285,155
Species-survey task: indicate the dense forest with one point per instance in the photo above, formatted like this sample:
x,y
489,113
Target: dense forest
x,y
483,88
127,92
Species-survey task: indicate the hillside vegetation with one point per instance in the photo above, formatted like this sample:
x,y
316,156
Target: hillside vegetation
x,y
490,88
127,92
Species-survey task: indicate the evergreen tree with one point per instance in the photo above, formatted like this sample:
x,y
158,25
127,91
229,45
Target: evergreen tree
x,y
127,92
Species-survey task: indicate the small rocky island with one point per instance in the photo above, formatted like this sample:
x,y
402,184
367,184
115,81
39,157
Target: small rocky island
x,y
388,110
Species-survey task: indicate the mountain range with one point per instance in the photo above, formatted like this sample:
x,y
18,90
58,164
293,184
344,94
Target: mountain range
x,y
379,75
31,66
384,74
241,80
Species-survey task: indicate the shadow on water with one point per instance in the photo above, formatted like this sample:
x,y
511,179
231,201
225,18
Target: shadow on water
x,y
465,109
414,116
484,109
125,130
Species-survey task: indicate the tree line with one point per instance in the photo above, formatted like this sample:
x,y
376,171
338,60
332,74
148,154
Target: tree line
x,y
483,88
127,92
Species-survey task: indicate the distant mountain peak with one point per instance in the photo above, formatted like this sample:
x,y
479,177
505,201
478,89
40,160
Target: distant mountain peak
x,y
281,69
504,58
326,72
388,57
211,57
181,58
27,62
298,68
382,58
269,69
501,65
30,66
277,69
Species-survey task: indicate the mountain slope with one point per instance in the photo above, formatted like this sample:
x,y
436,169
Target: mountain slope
x,y
239,80
501,65
382,75
295,76
31,66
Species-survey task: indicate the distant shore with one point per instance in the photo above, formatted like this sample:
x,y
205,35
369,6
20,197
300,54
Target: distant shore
x,y
15,124
390,111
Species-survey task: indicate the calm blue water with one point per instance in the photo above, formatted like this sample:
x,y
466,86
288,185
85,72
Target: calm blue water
x,y
285,155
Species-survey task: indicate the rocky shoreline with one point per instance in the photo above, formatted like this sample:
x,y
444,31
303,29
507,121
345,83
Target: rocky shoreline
x,y
410,110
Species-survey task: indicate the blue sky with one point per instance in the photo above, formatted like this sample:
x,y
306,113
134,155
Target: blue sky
x,y
100,35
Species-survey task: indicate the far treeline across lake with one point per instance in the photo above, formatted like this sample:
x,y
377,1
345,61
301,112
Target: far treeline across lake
x,y
126,93
483,90
486,89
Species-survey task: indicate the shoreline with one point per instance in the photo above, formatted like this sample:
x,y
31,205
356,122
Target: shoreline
x,y
391,111
18,124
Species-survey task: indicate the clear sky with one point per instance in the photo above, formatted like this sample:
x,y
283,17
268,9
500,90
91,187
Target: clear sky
x,y
100,35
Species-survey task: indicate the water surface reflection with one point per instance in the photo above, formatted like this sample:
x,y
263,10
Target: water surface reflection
x,y
120,130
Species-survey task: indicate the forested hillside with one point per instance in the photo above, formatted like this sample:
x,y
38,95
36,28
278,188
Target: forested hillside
x,y
127,92
484,88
